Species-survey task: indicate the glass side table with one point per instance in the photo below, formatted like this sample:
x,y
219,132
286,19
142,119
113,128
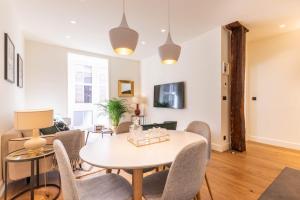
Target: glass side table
x,y
22,155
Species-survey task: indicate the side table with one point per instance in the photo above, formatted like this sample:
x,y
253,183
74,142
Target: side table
x,y
141,119
22,155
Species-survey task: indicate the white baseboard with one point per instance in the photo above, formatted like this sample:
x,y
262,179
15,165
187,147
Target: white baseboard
x,y
275,142
220,147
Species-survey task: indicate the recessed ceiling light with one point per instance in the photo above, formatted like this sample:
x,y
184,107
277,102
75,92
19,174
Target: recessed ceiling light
x,y
282,26
73,22
68,37
163,30
143,42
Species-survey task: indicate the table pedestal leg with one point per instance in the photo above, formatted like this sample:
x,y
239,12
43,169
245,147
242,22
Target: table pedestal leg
x,y
137,184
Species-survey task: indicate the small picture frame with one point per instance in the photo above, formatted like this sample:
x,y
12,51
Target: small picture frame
x,y
126,88
9,59
19,71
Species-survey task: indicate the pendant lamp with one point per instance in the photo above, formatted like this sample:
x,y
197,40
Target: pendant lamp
x,y
169,52
122,38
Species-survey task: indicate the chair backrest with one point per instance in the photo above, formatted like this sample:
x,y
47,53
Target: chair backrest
x,y
187,172
66,174
123,127
202,129
73,141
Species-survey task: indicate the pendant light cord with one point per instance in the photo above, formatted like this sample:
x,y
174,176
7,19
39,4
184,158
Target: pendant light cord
x,y
169,18
123,6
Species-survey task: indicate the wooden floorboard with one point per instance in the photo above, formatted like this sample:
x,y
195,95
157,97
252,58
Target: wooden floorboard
x,y
246,175
235,176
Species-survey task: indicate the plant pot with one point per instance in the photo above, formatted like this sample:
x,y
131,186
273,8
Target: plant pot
x,y
113,128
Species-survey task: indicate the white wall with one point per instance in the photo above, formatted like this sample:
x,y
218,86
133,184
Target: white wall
x,y
12,97
200,68
274,78
47,75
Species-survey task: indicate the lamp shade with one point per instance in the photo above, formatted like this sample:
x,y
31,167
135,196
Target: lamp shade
x,y
123,39
33,119
136,100
169,52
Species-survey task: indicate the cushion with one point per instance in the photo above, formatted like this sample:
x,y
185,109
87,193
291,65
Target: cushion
x,y
62,126
49,131
154,184
27,133
104,187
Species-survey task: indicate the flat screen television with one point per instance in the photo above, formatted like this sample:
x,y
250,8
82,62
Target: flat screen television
x,y
169,95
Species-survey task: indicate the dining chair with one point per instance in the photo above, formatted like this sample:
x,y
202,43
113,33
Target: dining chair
x,y
73,141
105,187
123,127
183,180
202,129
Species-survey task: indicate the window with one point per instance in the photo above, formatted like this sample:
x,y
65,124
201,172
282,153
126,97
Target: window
x,y
88,86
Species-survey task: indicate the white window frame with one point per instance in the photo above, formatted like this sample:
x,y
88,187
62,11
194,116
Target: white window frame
x,y
77,59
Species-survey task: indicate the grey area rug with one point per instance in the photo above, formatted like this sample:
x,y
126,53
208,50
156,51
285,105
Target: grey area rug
x,y
286,186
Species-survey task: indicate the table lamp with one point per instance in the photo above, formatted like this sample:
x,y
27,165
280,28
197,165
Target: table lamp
x,y
33,120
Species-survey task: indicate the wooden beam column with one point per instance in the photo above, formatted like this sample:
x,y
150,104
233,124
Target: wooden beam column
x,y
237,79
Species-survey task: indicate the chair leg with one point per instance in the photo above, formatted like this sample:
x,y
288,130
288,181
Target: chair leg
x,y
198,196
208,186
27,180
118,171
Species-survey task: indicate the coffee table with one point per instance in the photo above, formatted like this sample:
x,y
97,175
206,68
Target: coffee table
x,y
102,132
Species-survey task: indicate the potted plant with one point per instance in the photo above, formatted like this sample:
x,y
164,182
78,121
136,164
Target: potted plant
x,y
115,108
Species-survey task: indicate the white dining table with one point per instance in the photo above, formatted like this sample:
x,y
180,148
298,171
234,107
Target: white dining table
x,y
116,152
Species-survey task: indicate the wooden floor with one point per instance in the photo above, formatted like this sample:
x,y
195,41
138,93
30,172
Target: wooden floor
x,y
236,176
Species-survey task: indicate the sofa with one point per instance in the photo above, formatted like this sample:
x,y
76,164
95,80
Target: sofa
x,y
170,125
14,140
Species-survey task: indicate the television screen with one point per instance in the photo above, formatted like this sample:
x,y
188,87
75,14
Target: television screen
x,y
169,95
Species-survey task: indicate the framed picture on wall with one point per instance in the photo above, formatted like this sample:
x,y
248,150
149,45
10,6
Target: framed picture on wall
x,y
19,71
126,88
9,59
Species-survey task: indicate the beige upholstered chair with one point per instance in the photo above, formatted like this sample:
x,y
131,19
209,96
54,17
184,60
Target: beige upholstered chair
x,y
73,141
123,127
183,180
202,129
104,187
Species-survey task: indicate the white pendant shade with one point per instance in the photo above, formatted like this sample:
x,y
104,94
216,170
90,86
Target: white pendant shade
x,y
169,52
123,39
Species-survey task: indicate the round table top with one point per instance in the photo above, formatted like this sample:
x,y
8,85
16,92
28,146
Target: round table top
x,y
23,155
116,152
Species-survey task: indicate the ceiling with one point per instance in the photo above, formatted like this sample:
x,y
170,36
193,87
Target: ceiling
x,y
49,20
